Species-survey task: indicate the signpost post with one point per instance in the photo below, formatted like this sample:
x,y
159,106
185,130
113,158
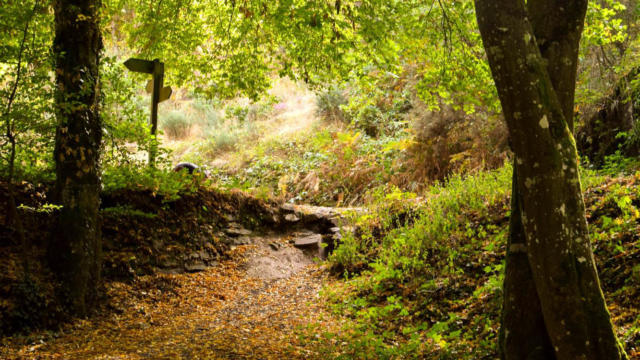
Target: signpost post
x,y
158,94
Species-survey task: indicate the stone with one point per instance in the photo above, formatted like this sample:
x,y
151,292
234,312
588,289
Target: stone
x,y
326,245
291,218
308,241
242,240
303,233
288,207
274,246
335,221
169,263
195,267
234,231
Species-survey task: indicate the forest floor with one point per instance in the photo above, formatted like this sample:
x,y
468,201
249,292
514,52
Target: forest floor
x,y
255,305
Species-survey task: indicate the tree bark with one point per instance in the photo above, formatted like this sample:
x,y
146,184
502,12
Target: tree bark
x,y
533,52
521,304
76,246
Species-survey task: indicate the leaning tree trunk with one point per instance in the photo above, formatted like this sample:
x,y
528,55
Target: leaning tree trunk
x,y
533,51
76,246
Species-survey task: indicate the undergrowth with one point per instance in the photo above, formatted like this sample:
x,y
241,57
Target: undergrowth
x,y
423,275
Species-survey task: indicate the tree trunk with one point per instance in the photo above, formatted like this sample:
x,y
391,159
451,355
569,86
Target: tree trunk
x,y
521,304
75,249
533,52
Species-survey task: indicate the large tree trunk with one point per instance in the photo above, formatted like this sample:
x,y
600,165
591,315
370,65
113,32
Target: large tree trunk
x,y
76,246
533,53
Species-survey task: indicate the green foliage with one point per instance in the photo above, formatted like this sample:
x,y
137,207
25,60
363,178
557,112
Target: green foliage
x,y
125,114
424,275
604,25
617,164
167,184
425,280
407,247
127,211
237,112
28,111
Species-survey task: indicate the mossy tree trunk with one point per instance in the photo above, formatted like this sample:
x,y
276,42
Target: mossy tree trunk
x,y
553,307
76,246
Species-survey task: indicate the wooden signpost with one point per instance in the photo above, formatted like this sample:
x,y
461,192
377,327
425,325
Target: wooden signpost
x,y
158,94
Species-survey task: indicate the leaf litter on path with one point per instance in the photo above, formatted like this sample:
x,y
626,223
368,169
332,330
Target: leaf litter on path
x,y
244,308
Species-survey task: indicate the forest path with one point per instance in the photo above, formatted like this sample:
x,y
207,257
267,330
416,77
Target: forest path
x,y
253,306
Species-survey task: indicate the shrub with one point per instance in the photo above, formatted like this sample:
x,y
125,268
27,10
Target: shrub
x,y
370,120
238,112
224,140
207,111
448,141
329,105
176,125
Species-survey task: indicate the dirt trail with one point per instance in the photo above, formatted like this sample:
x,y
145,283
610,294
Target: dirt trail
x,y
253,306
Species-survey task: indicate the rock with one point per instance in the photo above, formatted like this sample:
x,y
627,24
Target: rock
x,y
237,231
173,271
303,233
274,246
335,221
326,245
195,267
291,218
308,241
242,240
288,207
169,263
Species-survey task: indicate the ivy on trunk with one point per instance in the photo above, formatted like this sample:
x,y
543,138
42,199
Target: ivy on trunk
x,y
553,304
75,249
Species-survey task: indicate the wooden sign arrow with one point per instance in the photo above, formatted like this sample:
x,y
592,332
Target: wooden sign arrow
x,y
139,65
158,93
165,93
